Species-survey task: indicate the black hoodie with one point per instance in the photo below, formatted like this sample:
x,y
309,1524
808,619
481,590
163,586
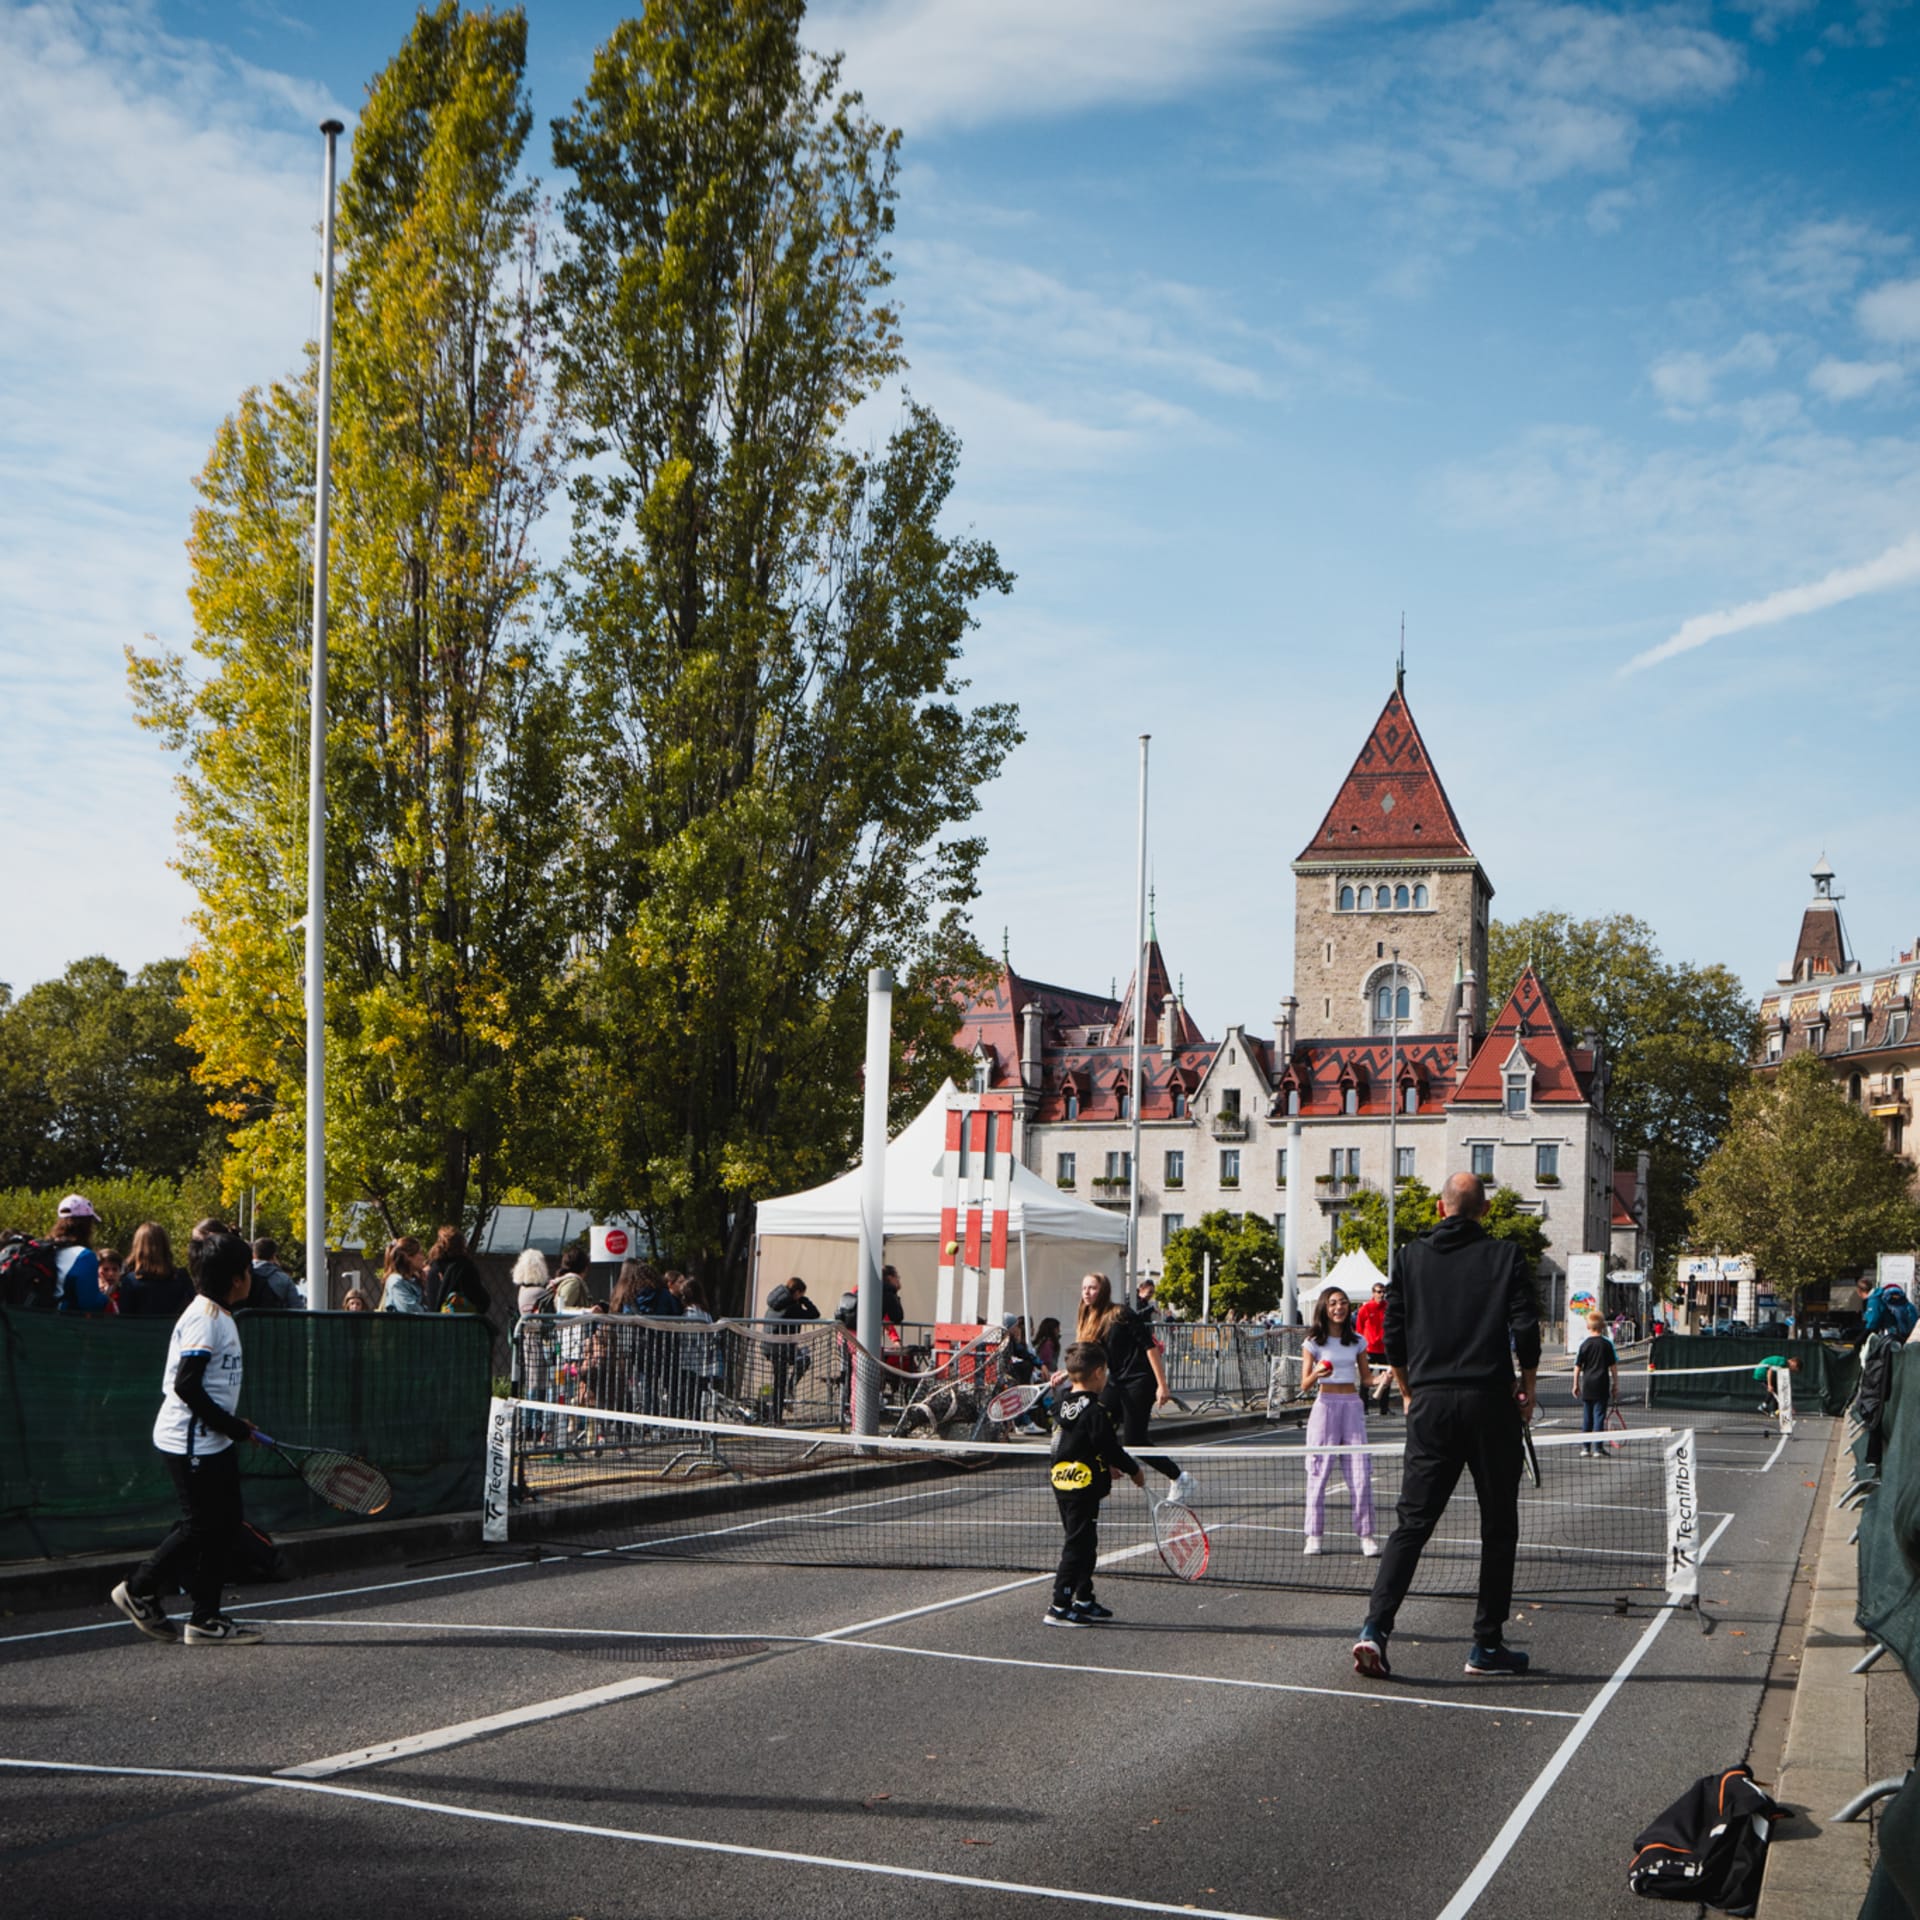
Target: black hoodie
x,y
1461,1310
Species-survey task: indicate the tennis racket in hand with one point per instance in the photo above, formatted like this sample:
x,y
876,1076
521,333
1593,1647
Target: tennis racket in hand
x,y
1529,1458
338,1478
1181,1540
1010,1403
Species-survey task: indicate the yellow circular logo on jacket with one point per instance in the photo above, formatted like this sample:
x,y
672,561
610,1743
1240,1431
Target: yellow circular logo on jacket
x,y
1072,1476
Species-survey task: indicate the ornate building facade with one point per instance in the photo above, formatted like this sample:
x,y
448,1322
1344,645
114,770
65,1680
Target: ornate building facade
x,y
1518,1098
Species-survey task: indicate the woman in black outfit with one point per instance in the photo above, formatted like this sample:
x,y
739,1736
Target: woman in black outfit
x,y
454,1284
1136,1375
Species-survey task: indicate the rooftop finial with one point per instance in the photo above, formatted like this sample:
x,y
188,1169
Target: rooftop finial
x,y
1006,948
1153,922
1400,671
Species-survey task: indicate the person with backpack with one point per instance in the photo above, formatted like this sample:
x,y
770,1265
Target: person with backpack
x,y
1888,1309
77,1288
273,1290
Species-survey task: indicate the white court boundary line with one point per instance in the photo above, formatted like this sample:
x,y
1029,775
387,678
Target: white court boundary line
x,y
1495,1856
915,1653
458,1735
674,1842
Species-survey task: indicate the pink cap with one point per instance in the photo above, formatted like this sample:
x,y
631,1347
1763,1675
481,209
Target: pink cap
x,y
76,1206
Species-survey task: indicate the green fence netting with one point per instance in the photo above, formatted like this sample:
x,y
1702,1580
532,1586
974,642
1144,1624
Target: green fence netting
x,y
1889,1606
1825,1383
78,1472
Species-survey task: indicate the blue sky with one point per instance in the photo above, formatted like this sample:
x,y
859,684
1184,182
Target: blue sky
x,y
1588,338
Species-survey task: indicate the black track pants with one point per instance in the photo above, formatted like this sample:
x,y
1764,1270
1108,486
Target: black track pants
x,y
1080,1515
194,1555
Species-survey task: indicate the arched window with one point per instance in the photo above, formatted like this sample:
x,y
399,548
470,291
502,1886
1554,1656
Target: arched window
x,y
1853,1089
1383,1002
1419,897
1346,899
1350,1103
1400,897
1403,1008
1179,1104
1125,1101
1293,1100
1073,1105
1366,899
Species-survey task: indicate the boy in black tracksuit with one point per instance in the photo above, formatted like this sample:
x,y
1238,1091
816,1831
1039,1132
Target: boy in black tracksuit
x,y
1086,1450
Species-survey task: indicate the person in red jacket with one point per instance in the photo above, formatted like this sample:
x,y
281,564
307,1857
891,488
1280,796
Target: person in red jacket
x,y
1370,1323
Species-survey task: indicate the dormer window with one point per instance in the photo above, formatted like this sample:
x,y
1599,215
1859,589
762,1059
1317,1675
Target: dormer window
x,y
1293,1100
1410,1100
1179,1103
1516,1093
1073,1105
1350,1100
1856,1034
1123,1101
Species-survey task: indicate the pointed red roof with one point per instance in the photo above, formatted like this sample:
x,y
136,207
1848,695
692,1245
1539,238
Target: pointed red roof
x,y
1392,805
1159,988
1562,1072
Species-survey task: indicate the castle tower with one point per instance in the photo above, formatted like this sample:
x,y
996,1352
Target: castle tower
x,y
1388,867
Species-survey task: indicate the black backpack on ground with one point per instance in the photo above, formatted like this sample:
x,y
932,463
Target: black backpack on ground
x,y
1710,1846
30,1274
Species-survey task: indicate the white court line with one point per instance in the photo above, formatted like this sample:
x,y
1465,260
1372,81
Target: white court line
x,y
1495,1856
674,1842
887,1646
466,1730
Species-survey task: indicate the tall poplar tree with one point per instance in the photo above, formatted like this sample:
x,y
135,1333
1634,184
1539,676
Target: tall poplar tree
x,y
769,622
446,742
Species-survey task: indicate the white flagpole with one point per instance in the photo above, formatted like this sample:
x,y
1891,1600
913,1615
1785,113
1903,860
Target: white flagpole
x,y
1393,1101
1139,1029
317,1288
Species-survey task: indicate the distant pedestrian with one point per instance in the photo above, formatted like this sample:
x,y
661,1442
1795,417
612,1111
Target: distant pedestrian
x,y
151,1285
78,1287
454,1284
195,1433
1596,1383
356,1302
273,1290
1370,1323
790,1364
1461,1314
401,1287
532,1280
1046,1342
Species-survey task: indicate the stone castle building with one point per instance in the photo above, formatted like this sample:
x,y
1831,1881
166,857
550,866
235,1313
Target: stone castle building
x,y
1860,1023
1517,1098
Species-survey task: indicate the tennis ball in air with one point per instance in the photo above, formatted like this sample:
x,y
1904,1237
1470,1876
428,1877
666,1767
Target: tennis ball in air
x,y
953,1247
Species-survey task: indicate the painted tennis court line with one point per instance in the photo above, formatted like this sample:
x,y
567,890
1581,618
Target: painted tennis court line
x,y
466,1730
481,1727
1495,1856
672,1842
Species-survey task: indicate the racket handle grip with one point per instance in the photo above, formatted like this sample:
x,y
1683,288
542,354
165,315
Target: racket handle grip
x,y
263,1439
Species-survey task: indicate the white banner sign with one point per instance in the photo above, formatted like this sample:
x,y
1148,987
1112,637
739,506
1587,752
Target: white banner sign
x,y
609,1243
1584,1274
1896,1269
1683,1520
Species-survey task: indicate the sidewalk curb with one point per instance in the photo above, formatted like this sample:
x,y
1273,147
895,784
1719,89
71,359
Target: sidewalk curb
x,y
1824,1877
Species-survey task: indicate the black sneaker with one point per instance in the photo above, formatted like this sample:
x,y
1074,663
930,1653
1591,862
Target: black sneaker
x,y
1497,1660
1057,1616
1370,1654
148,1615
1091,1609
222,1632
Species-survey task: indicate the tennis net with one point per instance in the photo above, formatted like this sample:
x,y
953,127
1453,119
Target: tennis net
x,y
1755,1393
1621,1523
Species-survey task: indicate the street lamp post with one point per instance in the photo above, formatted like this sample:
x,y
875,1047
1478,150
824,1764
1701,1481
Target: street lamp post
x,y
1393,1101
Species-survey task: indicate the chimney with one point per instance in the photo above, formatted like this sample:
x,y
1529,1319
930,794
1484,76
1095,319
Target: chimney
x,y
1284,1025
1030,1023
1169,1024
1463,1025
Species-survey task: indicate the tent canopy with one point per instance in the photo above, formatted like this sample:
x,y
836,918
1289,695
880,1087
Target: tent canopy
x,y
1354,1274
1053,1238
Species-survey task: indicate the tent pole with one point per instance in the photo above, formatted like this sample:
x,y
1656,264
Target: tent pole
x,y
873,1196
1026,1297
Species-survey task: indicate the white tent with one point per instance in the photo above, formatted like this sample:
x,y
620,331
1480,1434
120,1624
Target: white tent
x,y
1053,1238
1354,1274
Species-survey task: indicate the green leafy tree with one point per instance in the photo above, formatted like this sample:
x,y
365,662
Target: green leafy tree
x,y
1247,1266
95,1081
447,737
1507,1218
1363,1223
1679,1038
769,624
1804,1183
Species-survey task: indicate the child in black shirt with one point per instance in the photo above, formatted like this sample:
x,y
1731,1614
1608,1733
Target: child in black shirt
x,y
1596,1370
1086,1450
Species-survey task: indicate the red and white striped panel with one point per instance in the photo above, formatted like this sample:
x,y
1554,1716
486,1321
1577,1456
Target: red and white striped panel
x,y
977,1197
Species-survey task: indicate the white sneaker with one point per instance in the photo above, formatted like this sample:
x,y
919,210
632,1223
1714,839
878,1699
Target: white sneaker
x,y
222,1632
1313,1545
1183,1489
1369,1547
148,1615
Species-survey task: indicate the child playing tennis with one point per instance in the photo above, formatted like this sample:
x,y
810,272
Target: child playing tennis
x,y
1596,1383
1086,1450
195,1433
1333,1355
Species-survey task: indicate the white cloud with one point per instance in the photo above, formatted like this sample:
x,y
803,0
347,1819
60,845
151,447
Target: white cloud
x,y
1818,262
1899,566
1892,312
1689,381
930,64
1853,379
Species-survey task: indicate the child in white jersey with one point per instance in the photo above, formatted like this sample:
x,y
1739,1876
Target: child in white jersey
x,y
1334,1358
195,1432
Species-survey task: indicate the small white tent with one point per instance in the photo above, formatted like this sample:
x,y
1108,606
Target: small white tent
x,y
1353,1273
1053,1238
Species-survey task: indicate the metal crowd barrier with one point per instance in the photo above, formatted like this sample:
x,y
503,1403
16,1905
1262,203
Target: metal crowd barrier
x,y
1225,1363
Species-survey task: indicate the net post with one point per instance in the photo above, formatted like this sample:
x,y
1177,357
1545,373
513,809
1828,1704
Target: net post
x,y
1683,1520
499,1481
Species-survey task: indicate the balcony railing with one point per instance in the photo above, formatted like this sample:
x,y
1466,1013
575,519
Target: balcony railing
x,y
1230,1126
1888,1106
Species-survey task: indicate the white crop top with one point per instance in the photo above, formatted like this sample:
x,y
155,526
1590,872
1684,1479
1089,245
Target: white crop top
x,y
1346,1361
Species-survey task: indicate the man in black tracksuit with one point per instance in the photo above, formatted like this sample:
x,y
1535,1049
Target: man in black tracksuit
x,y
1085,1455
1461,1312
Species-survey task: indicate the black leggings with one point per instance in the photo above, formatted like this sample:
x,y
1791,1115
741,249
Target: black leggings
x,y
1080,1516
194,1555
1130,1406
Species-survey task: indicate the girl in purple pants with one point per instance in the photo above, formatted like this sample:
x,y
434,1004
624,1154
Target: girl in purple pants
x,y
1335,1360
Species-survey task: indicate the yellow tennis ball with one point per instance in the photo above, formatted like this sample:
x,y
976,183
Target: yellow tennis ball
x,y
953,1247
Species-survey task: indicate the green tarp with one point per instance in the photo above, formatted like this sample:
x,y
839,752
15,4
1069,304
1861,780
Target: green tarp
x,y
78,1472
1890,1583
1826,1381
